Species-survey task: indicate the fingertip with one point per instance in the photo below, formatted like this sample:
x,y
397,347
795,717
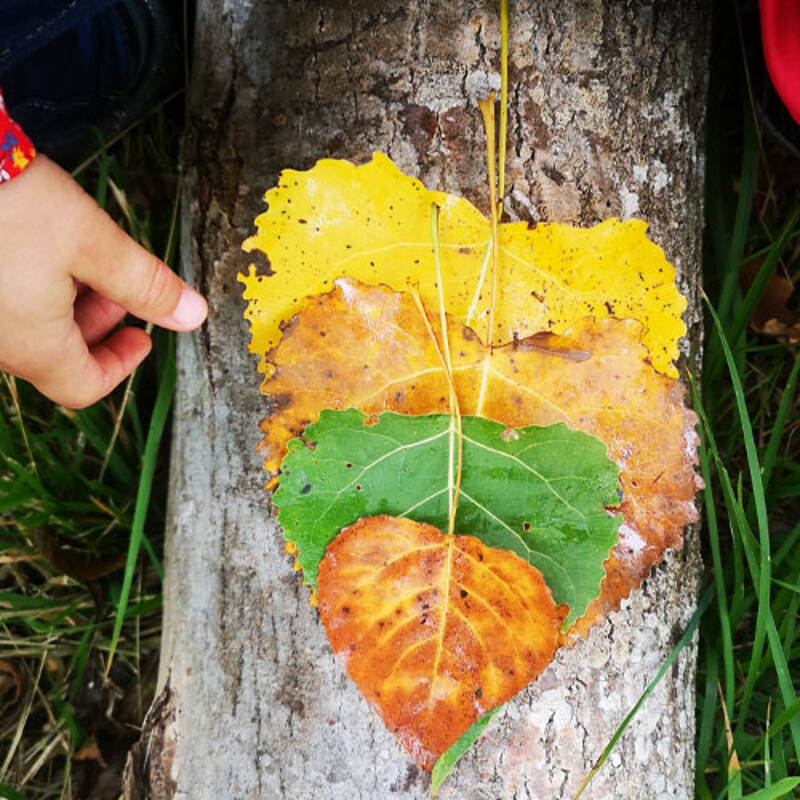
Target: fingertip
x,y
189,313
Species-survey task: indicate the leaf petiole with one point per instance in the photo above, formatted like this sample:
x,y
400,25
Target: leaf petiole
x,y
503,104
487,110
456,447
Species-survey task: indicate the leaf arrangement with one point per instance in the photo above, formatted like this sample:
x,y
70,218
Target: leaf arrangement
x,y
477,443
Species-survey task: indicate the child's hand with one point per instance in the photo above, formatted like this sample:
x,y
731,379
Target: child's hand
x,y
68,275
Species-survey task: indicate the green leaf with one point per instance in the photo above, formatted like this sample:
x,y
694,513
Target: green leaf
x,y
447,760
7,793
540,492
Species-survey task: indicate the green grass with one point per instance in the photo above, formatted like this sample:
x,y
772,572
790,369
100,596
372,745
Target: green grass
x,y
82,498
748,740
82,493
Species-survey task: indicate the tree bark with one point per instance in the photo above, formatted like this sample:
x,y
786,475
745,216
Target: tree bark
x,y
606,118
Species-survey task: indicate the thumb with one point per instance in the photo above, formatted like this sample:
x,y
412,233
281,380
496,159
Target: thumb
x,y
118,268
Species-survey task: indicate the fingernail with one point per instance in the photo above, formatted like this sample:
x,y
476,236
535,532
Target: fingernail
x,y
191,309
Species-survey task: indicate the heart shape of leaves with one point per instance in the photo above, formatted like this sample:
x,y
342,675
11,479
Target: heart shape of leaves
x,y
547,324
435,630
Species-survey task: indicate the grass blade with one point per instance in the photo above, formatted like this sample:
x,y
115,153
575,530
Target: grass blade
x,y
676,651
779,789
158,422
447,760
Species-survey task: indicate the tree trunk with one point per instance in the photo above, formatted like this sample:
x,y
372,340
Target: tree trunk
x,y
606,119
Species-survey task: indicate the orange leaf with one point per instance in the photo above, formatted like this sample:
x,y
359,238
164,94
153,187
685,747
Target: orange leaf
x,y
368,347
435,630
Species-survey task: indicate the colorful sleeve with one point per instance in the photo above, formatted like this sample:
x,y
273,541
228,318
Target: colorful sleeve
x,y
16,149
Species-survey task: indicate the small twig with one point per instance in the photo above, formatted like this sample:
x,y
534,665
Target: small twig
x,y
23,719
11,384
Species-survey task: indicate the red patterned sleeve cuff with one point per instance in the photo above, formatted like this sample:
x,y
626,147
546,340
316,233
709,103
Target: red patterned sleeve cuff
x,y
16,149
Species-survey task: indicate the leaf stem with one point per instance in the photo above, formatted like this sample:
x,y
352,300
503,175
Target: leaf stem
x,y
488,113
503,103
437,260
456,454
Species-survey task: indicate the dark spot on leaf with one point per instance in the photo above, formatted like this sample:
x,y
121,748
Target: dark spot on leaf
x,y
349,465
478,692
465,251
359,487
526,526
306,489
464,593
303,221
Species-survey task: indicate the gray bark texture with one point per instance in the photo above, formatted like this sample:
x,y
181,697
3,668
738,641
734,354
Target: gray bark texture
x,y
606,119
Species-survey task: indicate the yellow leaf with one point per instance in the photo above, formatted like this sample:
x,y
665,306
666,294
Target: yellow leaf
x,y
372,223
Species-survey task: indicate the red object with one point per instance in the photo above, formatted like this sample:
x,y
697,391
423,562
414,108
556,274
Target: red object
x,y
16,150
780,33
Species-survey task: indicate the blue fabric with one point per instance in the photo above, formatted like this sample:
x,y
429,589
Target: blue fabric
x,y
71,50
68,67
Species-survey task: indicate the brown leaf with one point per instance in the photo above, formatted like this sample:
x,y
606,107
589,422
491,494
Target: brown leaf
x,y
369,348
435,630
71,561
90,752
772,317
11,677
